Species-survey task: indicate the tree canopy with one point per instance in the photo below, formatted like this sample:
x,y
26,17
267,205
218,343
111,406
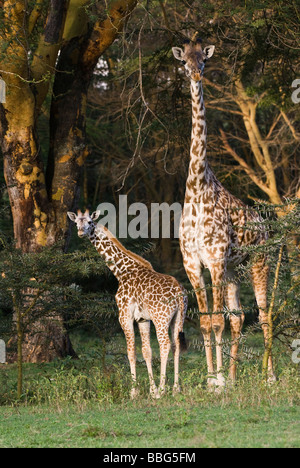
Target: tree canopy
x,y
96,107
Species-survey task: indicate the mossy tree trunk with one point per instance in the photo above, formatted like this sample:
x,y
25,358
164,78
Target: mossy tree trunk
x,y
41,42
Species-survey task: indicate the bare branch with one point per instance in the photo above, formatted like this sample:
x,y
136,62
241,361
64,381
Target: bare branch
x,y
290,125
243,164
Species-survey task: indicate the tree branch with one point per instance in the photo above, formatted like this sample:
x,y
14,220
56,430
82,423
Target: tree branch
x,y
34,16
105,32
50,42
290,125
249,171
259,146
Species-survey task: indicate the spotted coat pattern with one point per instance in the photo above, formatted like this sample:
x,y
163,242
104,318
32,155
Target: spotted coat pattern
x,y
143,296
214,226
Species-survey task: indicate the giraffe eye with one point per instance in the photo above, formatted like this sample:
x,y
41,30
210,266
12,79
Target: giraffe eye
x,y
183,62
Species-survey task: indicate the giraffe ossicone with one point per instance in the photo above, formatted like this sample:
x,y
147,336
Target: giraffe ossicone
x,y
213,232
143,296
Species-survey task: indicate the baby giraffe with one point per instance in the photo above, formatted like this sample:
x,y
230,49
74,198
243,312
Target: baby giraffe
x,y
143,296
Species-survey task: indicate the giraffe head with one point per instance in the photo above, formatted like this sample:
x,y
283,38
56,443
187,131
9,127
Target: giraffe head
x,y
84,221
193,57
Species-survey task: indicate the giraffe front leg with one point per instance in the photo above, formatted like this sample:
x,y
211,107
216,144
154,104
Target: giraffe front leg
x,y
217,272
206,329
127,326
144,328
197,280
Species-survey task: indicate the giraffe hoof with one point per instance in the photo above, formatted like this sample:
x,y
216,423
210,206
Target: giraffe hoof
x,y
161,392
154,393
219,389
231,382
134,393
221,381
211,382
272,378
216,384
176,390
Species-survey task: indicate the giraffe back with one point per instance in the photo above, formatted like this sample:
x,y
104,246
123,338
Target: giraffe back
x,y
217,224
151,295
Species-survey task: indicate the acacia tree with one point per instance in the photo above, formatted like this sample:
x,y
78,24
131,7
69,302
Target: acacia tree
x,y
252,119
49,49
258,119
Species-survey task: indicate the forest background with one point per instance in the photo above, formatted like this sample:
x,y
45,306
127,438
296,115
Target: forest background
x,y
95,111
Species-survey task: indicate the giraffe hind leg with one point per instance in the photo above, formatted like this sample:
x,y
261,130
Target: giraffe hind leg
x,y
236,319
144,328
197,281
165,347
260,275
178,341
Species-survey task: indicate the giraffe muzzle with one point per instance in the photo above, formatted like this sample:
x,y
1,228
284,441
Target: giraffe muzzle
x,y
197,76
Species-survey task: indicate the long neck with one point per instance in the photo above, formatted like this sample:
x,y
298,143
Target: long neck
x,y
198,163
116,259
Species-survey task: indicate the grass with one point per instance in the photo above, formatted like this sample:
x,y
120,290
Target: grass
x,y
170,424
79,404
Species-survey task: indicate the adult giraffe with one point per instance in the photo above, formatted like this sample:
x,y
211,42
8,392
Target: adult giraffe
x,y
213,229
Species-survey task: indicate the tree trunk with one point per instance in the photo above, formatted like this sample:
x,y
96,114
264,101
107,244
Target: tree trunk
x,y
68,150
40,199
46,340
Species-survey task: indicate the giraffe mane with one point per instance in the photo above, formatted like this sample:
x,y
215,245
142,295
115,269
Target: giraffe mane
x,y
134,256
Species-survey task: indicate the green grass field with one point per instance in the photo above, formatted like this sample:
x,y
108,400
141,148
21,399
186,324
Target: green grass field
x,y
80,404
165,424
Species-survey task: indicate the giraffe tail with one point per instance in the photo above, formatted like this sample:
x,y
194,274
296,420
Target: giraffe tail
x,y
182,312
183,344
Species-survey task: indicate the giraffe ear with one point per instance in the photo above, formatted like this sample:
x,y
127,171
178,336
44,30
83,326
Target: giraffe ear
x,y
209,51
178,53
95,215
72,216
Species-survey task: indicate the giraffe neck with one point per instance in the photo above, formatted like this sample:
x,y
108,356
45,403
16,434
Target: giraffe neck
x,y
116,259
198,163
